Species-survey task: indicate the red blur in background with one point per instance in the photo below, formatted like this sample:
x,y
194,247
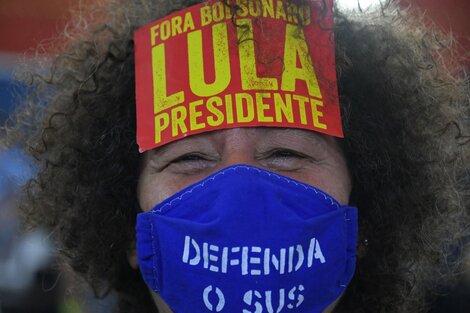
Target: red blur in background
x,y
26,23
450,16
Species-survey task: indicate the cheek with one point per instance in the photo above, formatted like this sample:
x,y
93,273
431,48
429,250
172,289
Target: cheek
x,y
339,183
332,177
151,191
154,188
340,191
332,182
338,176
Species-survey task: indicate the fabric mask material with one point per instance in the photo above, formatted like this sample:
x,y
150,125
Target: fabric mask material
x,y
248,240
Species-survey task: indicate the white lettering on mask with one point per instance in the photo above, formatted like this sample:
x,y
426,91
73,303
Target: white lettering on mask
x,y
251,260
258,302
272,303
207,302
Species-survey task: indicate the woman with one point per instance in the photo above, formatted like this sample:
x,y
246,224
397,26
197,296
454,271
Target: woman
x,y
403,161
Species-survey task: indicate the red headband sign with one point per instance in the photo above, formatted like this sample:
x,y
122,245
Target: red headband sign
x,y
272,64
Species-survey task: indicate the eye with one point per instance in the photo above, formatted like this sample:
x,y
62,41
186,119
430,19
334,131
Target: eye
x,y
286,153
191,163
190,157
285,159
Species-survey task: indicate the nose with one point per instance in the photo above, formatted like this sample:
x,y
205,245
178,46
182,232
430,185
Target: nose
x,y
239,146
238,157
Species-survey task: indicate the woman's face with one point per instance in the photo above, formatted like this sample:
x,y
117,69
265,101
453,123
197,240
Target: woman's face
x,y
310,157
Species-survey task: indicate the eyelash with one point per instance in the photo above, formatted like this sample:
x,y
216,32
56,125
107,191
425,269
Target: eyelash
x,y
190,157
278,159
191,163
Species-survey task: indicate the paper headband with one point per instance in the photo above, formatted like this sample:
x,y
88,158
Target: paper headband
x,y
209,67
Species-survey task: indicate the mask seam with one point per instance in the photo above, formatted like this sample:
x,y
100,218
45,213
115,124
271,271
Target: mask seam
x,y
155,272
212,178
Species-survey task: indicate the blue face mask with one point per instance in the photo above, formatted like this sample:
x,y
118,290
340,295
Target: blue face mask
x,y
250,241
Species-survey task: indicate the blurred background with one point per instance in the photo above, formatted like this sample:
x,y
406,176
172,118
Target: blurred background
x,y
30,280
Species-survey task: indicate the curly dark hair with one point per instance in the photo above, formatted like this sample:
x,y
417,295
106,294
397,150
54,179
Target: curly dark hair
x,y
405,110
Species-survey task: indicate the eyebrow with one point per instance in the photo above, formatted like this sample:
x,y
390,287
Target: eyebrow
x,y
188,141
303,133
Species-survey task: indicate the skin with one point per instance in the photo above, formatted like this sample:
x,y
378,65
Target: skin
x,y
310,157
